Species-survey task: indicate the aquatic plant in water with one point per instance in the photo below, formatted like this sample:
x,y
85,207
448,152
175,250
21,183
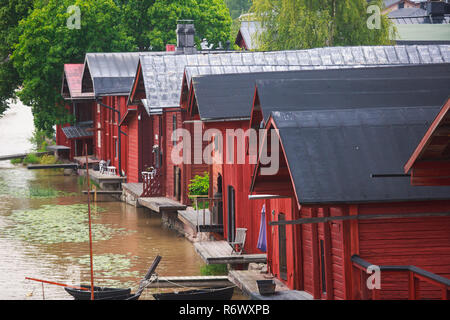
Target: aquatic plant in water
x,y
51,224
19,184
109,268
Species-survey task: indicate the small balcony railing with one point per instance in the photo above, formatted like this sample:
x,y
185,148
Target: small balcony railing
x,y
208,213
152,183
415,274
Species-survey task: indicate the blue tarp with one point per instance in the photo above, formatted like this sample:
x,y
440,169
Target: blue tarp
x,y
262,241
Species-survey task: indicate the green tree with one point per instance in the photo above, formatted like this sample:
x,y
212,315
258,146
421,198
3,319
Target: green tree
x,y
211,18
136,21
238,7
11,12
46,43
299,24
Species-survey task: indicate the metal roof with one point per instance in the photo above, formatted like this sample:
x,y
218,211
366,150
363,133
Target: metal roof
x,y
79,131
163,74
249,31
111,73
416,88
230,96
328,148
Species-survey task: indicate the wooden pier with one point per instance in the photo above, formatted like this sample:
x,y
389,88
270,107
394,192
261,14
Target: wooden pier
x,y
199,220
191,281
220,252
82,161
246,281
53,166
105,192
161,204
103,178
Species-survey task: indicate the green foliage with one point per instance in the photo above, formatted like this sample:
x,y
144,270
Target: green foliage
x,y
302,24
31,158
238,7
48,159
39,140
11,12
211,18
214,270
199,185
46,43
16,161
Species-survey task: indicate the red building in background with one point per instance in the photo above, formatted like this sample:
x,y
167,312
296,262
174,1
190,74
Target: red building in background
x,y
80,105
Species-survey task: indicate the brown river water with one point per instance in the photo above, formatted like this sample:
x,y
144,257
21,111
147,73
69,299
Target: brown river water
x,y
44,230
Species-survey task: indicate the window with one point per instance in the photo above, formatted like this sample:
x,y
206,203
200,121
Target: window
x,y
116,148
99,136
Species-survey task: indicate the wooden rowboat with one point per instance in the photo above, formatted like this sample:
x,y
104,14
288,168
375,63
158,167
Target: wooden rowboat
x,y
198,294
103,293
100,293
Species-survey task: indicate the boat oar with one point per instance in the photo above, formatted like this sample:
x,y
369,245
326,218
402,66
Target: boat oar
x,y
57,284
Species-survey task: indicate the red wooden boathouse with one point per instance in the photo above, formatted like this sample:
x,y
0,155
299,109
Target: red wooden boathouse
x,y
222,101
340,203
79,104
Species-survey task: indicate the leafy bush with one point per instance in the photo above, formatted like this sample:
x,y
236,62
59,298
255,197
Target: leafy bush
x,y
31,158
16,161
199,185
48,159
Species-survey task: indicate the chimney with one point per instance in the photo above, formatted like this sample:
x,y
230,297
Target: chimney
x,y
436,8
185,37
170,47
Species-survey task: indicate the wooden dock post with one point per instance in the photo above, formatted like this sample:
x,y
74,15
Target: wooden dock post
x,y
94,187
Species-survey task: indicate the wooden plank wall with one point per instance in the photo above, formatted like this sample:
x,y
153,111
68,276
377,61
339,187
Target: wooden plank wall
x,y
423,242
133,150
239,176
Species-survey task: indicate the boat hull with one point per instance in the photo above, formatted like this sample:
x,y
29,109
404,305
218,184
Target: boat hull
x,y
100,293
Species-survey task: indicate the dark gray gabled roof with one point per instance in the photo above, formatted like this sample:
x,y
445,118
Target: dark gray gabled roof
x,y
415,89
163,74
230,96
111,73
332,154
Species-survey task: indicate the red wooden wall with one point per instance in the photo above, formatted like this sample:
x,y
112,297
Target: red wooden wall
x,y
422,242
238,176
